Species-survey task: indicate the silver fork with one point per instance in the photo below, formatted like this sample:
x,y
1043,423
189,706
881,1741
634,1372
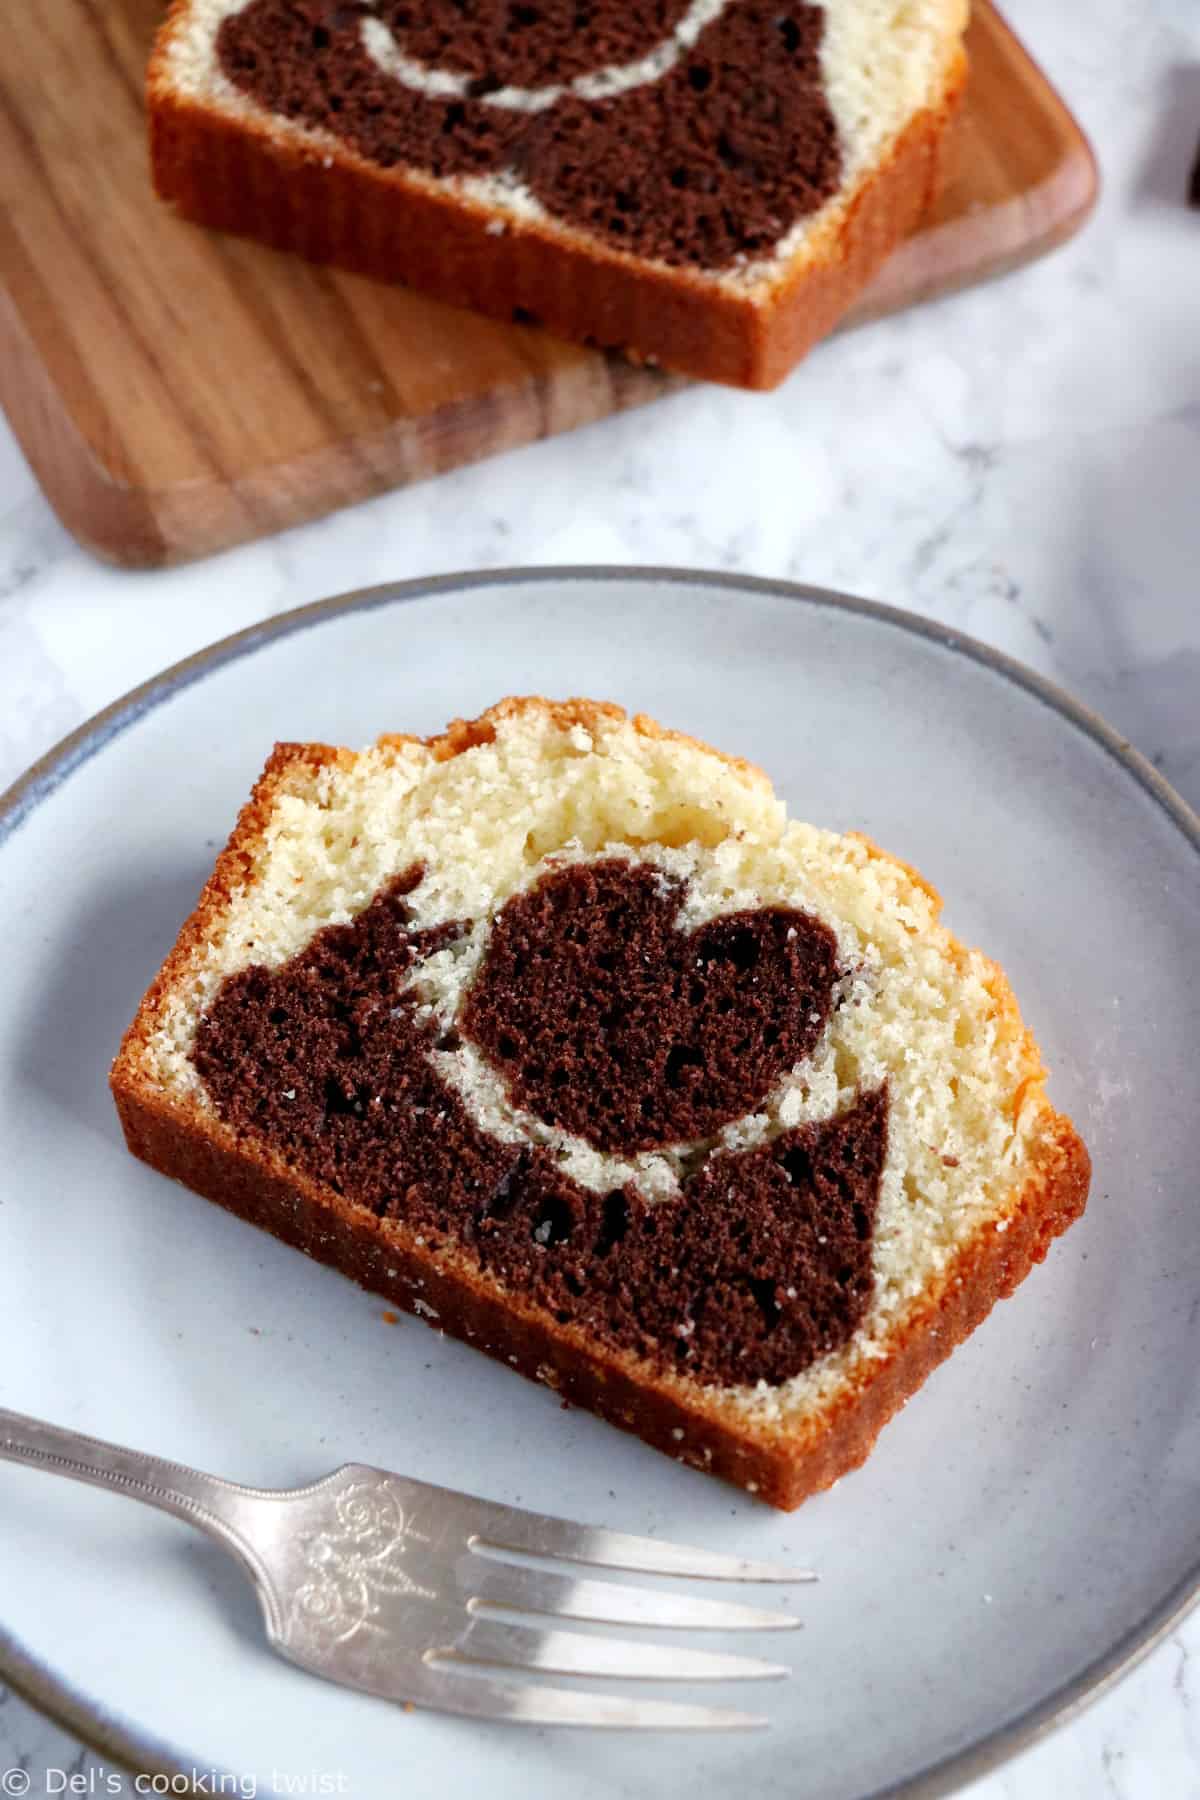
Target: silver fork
x,y
402,1589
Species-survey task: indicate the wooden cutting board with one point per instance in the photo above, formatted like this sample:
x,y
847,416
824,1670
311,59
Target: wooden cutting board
x,y
177,391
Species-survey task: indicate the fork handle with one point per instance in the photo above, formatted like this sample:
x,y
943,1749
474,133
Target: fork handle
x,y
214,1506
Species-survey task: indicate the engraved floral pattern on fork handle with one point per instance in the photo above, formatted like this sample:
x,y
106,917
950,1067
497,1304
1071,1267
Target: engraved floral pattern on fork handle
x,y
355,1563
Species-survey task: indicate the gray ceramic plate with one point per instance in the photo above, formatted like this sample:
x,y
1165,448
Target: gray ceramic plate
x,y
1029,1523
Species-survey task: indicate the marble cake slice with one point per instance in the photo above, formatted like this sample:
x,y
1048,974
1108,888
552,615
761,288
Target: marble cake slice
x,y
706,184
558,1032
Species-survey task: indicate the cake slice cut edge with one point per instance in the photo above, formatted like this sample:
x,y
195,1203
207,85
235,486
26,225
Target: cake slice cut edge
x,y
896,78
536,800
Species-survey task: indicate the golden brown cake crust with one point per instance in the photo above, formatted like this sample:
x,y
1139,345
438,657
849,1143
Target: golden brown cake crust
x,y
783,1462
243,175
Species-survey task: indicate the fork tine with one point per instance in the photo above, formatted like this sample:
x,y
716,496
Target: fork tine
x,y
497,1584
511,1528
520,1703
613,1659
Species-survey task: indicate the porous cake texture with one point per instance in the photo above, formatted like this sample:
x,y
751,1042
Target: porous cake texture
x,y
558,1031
703,182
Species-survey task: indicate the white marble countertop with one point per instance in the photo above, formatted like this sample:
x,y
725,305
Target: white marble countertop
x,y
1021,461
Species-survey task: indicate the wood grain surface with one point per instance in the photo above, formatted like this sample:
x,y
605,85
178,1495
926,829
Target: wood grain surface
x,y
177,391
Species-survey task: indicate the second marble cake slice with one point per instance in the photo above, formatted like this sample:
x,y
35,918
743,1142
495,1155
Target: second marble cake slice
x,y
703,183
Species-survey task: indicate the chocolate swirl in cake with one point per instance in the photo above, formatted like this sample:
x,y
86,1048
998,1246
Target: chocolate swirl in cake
x,y
504,43
610,1022
761,1264
695,134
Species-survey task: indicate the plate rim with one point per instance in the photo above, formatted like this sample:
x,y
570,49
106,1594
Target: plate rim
x,y
142,1753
